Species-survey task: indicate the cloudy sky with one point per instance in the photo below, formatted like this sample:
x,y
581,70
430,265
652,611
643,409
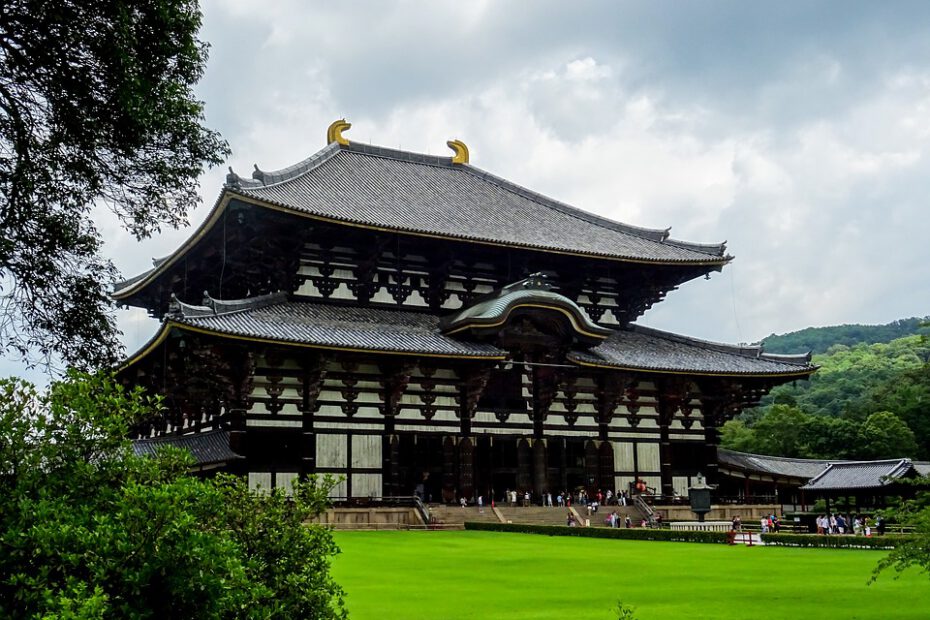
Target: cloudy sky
x,y
798,133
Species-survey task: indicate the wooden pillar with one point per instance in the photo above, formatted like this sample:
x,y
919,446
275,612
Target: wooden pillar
x,y
313,375
448,469
712,411
540,468
606,465
390,459
666,410
466,482
592,468
524,465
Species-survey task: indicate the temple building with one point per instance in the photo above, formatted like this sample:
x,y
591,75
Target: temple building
x,y
410,322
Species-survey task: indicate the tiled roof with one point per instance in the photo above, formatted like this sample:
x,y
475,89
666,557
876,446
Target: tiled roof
x,y
649,349
861,475
772,465
399,190
210,448
326,325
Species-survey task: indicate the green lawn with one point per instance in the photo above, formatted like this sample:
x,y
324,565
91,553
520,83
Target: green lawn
x,y
453,575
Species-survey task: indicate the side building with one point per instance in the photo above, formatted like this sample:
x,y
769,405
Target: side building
x,y
412,323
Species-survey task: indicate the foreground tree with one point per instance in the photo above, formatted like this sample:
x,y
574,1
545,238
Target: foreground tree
x,y
88,530
96,108
914,552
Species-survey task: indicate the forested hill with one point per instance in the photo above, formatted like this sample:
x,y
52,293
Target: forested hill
x,y
867,401
819,339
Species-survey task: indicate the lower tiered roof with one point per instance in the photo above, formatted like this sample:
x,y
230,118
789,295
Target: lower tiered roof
x,y
275,319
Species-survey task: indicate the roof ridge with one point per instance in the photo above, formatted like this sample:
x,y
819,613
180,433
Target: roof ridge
x,y
263,178
222,307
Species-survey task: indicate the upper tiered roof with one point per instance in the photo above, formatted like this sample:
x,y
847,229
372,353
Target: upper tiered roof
x,y
398,191
426,194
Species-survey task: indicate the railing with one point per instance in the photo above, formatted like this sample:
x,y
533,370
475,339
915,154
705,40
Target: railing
x,y
645,508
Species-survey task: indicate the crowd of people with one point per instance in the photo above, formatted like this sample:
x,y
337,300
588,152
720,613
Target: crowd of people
x,y
858,525
563,499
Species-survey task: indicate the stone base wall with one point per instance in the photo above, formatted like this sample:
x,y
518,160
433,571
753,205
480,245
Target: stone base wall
x,y
363,518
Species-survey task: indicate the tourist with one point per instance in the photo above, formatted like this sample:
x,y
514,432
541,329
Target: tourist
x,y
627,521
623,498
764,525
464,502
832,523
526,499
610,495
737,524
560,500
549,500
481,503
570,521
880,525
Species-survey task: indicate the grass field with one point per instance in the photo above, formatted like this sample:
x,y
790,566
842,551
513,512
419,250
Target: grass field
x,y
458,575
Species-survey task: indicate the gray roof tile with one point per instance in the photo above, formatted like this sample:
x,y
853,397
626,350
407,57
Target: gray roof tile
x,y
650,349
426,194
772,465
371,329
210,448
861,475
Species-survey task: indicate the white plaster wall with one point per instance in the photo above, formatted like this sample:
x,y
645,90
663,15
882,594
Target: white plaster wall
x,y
366,451
366,485
623,456
331,451
648,457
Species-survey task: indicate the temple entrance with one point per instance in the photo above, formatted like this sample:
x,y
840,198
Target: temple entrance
x,y
420,470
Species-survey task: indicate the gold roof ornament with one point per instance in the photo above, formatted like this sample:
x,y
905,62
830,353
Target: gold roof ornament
x,y
461,151
334,132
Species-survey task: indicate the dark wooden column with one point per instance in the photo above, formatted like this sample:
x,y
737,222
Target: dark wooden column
x,y
592,468
713,411
545,387
395,376
606,465
524,465
540,468
448,469
311,382
466,481
666,410
241,374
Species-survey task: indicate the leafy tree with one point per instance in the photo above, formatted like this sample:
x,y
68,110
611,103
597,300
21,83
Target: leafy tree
x,y
884,436
89,530
96,108
781,432
914,552
735,435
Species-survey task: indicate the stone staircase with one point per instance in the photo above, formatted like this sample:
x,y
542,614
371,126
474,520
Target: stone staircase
x,y
452,517
534,515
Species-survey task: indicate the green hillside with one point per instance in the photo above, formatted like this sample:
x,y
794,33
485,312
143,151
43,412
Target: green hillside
x,y
819,339
867,401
